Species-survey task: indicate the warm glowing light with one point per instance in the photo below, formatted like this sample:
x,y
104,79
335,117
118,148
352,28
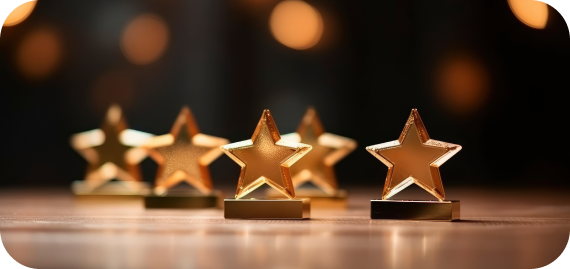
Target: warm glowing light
x,y
108,170
160,190
20,13
39,53
136,155
296,24
87,139
144,39
530,12
160,141
114,114
134,138
463,84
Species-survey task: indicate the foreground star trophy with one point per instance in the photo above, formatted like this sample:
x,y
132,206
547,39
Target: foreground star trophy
x,y
318,166
414,158
184,155
113,156
266,158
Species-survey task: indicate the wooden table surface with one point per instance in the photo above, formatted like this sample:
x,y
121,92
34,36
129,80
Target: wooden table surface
x,y
500,228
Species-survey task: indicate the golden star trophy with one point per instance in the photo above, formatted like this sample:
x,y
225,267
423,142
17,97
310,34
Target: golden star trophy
x,y
113,155
414,158
266,158
318,166
184,155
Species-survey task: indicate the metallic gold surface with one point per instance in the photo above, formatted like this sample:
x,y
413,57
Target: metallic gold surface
x,y
415,210
184,155
328,149
118,188
111,151
125,195
414,158
267,209
188,200
104,202
265,158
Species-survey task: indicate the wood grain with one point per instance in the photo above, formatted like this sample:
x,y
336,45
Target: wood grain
x,y
499,229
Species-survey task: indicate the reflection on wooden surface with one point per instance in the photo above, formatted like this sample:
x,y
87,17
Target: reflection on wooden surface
x,y
500,229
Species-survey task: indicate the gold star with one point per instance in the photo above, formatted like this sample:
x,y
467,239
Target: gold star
x,y
328,149
184,155
111,151
265,158
414,158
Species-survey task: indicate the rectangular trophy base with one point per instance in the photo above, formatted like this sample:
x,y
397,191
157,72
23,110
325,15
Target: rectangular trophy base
x,y
111,188
189,200
113,194
415,210
267,209
319,199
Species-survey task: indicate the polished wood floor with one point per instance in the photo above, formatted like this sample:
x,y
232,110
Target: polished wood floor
x,y
500,228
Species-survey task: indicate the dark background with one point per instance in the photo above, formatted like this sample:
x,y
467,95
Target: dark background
x,y
376,61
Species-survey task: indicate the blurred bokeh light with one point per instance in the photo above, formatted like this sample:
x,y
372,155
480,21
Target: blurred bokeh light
x,y
530,12
40,53
145,39
68,61
20,13
296,24
462,84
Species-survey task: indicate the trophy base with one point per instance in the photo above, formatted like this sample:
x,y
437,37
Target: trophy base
x,y
319,199
120,188
186,199
113,194
267,208
415,210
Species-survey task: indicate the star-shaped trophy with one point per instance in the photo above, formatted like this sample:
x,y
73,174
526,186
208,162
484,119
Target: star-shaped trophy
x,y
184,155
266,158
113,155
414,159
317,167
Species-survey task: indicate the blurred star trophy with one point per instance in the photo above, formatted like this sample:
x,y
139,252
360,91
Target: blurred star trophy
x,y
113,156
184,155
317,166
266,158
414,158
